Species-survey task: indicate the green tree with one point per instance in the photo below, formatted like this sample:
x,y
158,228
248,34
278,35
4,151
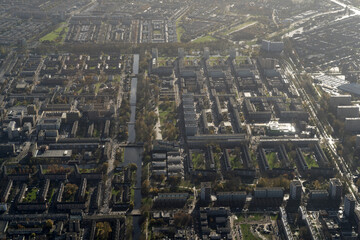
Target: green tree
x,y
132,167
182,219
103,230
69,191
49,224
145,187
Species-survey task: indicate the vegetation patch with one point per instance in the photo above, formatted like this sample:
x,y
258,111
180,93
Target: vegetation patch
x,y
310,160
246,232
167,114
179,30
237,28
204,39
51,195
56,169
31,195
236,161
103,230
198,160
70,192
273,160
57,35
156,32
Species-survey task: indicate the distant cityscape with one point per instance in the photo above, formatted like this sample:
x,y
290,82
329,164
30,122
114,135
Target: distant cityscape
x,y
179,119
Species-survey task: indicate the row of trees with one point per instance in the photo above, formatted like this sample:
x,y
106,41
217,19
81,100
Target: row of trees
x,y
169,129
147,97
347,144
281,181
124,118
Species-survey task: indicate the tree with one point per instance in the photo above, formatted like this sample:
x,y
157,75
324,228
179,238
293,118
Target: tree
x,y
174,180
358,183
145,188
103,230
131,205
104,167
262,182
133,167
182,219
69,191
49,224
304,233
317,185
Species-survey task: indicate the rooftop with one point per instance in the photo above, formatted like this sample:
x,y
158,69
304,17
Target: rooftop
x,y
54,154
353,88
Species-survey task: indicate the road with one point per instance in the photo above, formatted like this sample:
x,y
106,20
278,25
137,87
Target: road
x,y
340,165
344,5
234,228
193,204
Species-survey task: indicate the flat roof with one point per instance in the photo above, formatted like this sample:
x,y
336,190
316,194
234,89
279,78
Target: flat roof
x,y
54,154
353,88
331,81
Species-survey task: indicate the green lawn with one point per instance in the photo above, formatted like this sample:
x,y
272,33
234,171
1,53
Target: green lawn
x,y
198,160
240,59
31,195
310,160
179,30
213,61
273,160
204,39
96,133
246,233
256,217
132,194
163,61
115,192
117,78
146,203
87,170
217,160
97,87
253,217
51,195
58,34
155,32
235,161
189,61
240,218
165,111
